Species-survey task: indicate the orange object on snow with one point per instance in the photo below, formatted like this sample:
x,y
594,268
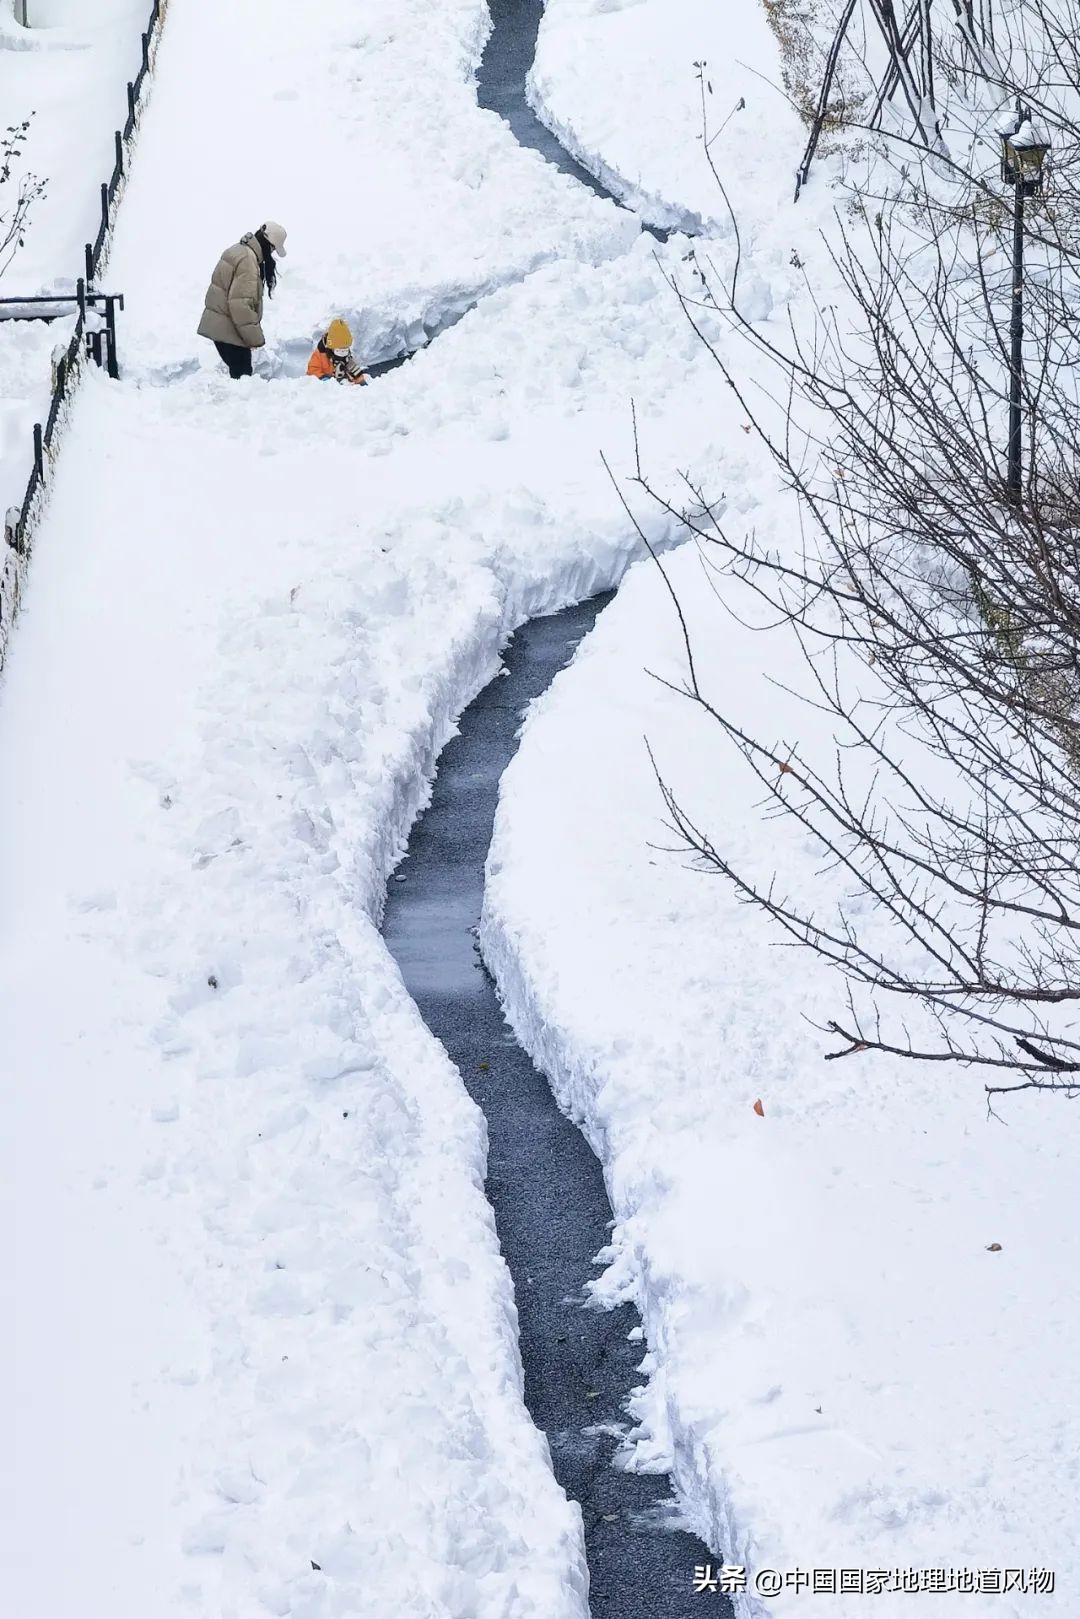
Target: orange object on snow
x,y
327,368
758,1109
320,365
333,359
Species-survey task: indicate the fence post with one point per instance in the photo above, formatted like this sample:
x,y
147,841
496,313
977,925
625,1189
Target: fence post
x,y
64,360
110,332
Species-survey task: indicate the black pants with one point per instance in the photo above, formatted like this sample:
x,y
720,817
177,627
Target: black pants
x,y
236,357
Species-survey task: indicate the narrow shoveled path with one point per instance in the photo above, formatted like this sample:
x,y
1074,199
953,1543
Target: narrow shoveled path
x,y
500,86
505,65
545,1185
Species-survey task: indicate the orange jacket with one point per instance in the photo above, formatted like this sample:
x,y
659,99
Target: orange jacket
x,y
321,365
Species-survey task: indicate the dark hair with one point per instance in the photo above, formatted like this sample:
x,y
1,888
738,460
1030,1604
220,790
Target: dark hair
x,y
267,265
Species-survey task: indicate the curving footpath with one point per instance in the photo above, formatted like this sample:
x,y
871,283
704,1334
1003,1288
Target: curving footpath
x,y
500,87
545,1185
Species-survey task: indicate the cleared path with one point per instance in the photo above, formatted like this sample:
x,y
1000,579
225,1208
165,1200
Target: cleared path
x,y
504,67
544,1183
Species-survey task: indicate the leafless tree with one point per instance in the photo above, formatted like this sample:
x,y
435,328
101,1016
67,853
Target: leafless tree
x,y
25,189
937,619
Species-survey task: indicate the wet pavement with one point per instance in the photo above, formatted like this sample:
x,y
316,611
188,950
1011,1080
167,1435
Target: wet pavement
x,y
507,59
544,1184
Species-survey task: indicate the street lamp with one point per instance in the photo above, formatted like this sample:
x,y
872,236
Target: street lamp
x,y
1023,159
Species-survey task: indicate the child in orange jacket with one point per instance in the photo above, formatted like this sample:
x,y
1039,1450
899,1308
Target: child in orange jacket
x,y
333,356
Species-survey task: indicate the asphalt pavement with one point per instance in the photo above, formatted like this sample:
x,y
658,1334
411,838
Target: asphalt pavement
x,y
544,1183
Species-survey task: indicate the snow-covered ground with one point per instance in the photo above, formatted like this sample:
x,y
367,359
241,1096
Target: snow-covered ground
x,y
842,1373
266,1352
631,86
66,73
262,1319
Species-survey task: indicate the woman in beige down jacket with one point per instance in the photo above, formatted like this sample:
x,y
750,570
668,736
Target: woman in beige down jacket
x,y
232,316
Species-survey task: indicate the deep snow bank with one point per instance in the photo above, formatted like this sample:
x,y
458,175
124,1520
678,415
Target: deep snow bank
x,y
618,83
840,1375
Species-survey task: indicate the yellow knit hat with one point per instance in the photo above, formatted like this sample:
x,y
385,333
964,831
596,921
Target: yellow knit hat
x,y
338,336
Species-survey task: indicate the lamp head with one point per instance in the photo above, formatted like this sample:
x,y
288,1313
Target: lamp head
x,y
1023,156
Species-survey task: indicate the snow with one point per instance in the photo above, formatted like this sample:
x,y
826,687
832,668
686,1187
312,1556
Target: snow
x,y
395,235
266,1351
842,1371
26,347
66,73
263,1319
618,83
839,1373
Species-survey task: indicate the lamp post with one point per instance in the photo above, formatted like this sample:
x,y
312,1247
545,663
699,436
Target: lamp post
x,y
1023,156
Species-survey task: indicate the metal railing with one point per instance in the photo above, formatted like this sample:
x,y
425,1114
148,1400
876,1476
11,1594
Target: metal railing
x,y
95,250
94,335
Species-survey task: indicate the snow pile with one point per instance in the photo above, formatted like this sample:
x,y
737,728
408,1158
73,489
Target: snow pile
x,y
840,1373
264,1166
618,83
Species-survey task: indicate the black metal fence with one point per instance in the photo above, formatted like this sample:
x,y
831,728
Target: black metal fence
x,y
94,335
95,250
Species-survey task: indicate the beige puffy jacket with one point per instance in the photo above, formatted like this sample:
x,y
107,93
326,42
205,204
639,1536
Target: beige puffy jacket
x,y
234,298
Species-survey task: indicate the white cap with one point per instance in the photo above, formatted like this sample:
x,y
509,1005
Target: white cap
x,y
275,234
